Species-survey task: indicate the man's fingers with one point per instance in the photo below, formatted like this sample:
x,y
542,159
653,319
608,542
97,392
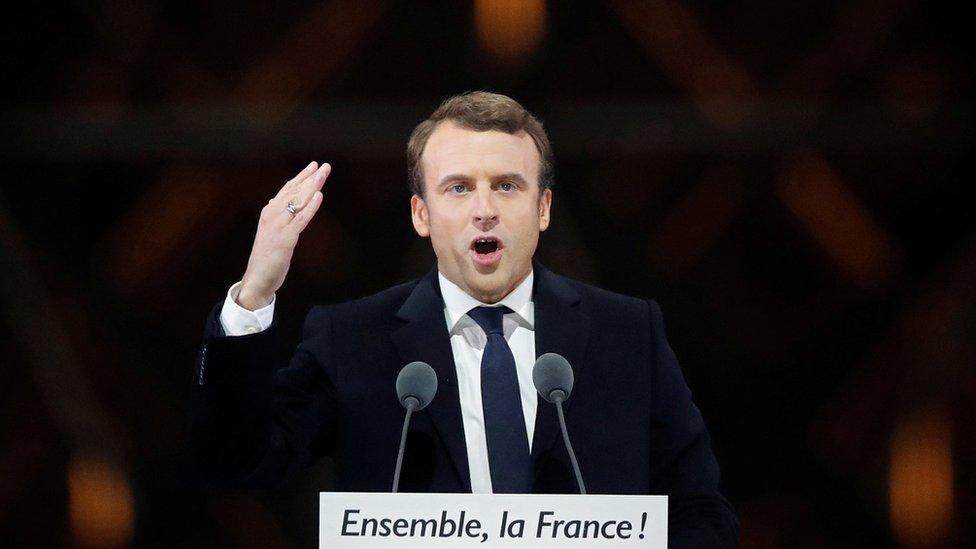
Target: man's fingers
x,y
303,217
301,176
310,186
304,191
299,197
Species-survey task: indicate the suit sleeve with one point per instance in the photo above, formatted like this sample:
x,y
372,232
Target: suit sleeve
x,y
683,465
252,421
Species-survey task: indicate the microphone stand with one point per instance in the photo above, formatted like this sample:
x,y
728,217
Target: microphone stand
x,y
410,403
557,397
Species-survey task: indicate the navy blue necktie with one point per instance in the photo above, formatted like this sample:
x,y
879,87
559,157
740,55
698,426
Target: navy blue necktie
x,y
508,446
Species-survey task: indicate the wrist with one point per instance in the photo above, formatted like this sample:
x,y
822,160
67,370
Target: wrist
x,y
250,300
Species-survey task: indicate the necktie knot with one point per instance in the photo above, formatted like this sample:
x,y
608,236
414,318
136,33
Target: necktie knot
x,y
489,318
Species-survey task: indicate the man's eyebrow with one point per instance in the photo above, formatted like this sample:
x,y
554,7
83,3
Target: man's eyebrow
x,y
454,177
510,176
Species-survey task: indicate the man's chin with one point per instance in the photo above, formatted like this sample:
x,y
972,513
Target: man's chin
x,y
487,287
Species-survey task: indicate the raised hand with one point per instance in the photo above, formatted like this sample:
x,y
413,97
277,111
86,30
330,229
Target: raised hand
x,y
282,220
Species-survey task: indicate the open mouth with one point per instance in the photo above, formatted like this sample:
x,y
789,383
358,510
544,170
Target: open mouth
x,y
486,250
485,245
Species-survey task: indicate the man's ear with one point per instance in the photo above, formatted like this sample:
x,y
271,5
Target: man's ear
x,y
420,216
545,206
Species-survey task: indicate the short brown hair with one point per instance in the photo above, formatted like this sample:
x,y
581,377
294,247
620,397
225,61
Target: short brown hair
x,y
480,111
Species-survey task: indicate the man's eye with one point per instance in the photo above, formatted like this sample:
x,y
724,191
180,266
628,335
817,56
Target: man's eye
x,y
457,188
507,186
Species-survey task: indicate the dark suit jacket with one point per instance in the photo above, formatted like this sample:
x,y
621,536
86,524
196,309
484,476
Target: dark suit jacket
x,y
631,418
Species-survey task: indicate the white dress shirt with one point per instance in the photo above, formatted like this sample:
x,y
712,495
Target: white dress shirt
x,y
468,342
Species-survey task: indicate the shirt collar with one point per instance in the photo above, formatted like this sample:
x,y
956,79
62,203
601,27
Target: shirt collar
x,y
458,303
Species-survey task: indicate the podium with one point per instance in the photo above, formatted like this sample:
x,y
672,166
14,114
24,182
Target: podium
x,y
406,520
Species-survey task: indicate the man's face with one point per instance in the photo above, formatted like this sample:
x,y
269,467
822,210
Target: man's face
x,y
481,208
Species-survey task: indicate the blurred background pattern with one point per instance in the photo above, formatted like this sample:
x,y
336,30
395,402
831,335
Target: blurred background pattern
x,y
791,180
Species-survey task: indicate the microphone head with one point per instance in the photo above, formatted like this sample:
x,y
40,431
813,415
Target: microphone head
x,y
552,374
419,381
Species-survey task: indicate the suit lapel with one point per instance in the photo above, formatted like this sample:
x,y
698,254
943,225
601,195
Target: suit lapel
x,y
425,337
560,327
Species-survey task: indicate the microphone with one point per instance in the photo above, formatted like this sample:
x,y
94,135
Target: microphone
x,y
416,386
553,378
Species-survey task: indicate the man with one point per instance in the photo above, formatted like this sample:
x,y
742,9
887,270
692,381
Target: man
x,y
480,171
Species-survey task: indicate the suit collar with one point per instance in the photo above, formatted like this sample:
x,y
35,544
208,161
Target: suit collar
x,y
551,287
424,300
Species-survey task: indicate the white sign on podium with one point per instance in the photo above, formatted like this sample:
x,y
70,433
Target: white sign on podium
x,y
527,521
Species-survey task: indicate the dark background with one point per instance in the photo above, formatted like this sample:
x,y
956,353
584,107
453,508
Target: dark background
x,y
790,180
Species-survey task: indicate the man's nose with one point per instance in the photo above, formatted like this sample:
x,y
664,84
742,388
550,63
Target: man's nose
x,y
485,210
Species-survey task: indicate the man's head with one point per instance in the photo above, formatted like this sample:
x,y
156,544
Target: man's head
x,y
480,170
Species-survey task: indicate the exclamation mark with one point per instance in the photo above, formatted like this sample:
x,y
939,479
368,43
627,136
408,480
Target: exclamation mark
x,y
643,524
